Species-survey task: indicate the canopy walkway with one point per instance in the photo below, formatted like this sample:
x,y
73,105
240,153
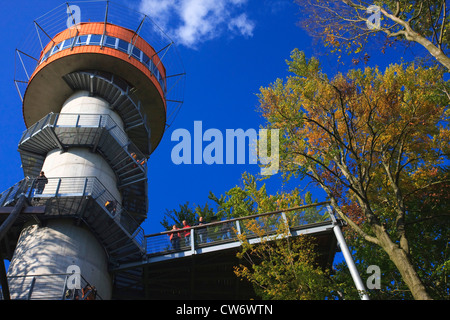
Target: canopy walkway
x,y
196,264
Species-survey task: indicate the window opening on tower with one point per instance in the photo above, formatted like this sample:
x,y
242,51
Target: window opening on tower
x,y
110,42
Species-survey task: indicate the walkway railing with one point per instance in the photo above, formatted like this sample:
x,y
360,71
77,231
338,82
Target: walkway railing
x,y
12,194
60,123
189,239
53,287
78,187
222,232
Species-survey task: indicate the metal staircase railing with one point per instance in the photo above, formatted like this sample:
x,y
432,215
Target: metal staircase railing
x,y
54,287
119,232
131,248
97,131
10,195
121,98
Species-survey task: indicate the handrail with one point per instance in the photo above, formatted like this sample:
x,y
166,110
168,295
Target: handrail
x,y
65,295
226,232
88,120
12,194
71,186
123,88
126,159
136,233
243,218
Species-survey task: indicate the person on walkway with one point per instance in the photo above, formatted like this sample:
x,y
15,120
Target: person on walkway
x,y
111,206
226,231
89,292
187,233
141,162
201,231
40,182
175,238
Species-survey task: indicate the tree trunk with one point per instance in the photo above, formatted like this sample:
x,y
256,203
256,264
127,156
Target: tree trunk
x,y
413,36
431,48
401,260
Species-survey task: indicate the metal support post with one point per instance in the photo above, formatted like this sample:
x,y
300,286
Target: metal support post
x,y
283,215
238,227
4,228
348,257
192,240
4,280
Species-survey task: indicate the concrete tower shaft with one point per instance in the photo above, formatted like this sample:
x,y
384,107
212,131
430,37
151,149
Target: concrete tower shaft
x,y
51,249
80,162
46,252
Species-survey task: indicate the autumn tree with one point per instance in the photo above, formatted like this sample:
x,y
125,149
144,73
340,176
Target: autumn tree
x,y
284,269
188,213
427,226
349,25
279,267
368,139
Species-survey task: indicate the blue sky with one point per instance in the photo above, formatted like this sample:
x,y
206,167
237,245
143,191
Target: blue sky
x,y
229,48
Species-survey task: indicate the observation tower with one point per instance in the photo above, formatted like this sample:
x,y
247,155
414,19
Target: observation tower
x,y
99,84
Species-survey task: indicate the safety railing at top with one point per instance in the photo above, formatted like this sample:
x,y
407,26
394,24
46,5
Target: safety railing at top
x,y
78,187
48,25
69,120
221,232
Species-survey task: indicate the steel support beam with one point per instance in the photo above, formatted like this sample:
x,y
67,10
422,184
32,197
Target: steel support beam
x,y
4,228
26,211
4,280
348,258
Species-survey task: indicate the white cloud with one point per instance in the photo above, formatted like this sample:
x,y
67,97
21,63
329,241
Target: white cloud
x,y
191,22
158,10
242,25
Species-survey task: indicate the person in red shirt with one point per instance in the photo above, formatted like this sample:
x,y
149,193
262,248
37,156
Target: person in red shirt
x,y
187,233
